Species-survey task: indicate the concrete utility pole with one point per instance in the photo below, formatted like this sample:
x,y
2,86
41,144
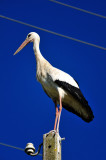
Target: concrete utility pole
x,y
52,146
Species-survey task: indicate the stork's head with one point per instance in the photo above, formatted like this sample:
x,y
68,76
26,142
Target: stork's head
x,y
31,37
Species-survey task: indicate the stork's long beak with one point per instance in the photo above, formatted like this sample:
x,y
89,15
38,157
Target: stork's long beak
x,y
22,46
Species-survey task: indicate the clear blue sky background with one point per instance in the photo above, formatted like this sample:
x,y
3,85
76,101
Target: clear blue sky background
x,y
26,113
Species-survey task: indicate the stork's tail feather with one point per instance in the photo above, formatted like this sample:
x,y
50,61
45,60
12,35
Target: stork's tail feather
x,y
85,112
80,106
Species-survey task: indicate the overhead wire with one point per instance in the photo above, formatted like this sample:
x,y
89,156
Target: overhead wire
x,y
10,146
3,144
55,33
79,9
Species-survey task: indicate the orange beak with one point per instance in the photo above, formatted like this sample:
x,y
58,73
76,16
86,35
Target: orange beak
x,y
22,46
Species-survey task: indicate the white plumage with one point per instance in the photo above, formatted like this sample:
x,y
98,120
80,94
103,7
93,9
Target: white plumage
x,y
58,85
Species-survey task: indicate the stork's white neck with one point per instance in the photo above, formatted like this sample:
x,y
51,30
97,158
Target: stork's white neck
x,y
36,49
40,60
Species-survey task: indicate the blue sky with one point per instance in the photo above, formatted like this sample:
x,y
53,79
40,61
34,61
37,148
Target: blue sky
x,y
26,113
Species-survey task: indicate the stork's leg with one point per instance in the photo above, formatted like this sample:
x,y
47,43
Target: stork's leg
x,y
59,114
56,118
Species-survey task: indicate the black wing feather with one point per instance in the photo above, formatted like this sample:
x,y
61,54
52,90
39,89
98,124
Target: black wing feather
x,y
76,94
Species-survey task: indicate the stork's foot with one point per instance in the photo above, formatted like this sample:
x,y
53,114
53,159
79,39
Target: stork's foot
x,y
52,131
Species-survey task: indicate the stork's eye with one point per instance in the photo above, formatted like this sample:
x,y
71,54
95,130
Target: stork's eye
x,y
29,35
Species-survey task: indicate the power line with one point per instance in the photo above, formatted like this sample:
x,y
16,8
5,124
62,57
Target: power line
x,y
3,144
79,9
21,149
55,33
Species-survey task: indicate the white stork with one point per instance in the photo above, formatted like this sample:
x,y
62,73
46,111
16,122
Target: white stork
x,y
58,85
